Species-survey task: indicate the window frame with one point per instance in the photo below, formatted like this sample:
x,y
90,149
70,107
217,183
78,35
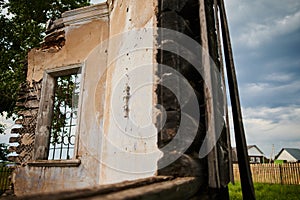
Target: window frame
x,y
45,115
257,160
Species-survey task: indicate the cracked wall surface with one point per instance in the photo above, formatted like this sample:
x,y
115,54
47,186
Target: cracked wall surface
x,y
102,47
72,42
28,103
116,45
128,138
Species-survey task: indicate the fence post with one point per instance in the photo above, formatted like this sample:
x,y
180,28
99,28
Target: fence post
x,y
280,174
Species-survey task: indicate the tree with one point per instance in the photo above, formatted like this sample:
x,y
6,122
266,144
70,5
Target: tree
x,y
22,28
3,147
2,129
4,152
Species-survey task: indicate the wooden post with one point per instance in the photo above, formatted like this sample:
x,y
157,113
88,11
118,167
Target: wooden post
x,y
213,170
42,135
222,70
280,174
245,172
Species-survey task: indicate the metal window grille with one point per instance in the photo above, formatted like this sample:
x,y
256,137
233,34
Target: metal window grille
x,y
64,121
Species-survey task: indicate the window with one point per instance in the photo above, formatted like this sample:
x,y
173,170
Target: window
x,y
64,120
58,117
257,159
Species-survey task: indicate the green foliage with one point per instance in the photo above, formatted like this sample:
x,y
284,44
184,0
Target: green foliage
x,y
41,11
267,191
22,29
2,129
3,152
65,103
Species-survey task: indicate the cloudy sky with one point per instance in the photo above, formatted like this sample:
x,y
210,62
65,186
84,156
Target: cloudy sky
x,y
266,43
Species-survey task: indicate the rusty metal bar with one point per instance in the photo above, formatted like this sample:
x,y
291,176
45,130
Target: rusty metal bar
x,y
245,172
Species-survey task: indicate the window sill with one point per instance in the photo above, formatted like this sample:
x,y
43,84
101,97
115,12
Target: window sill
x,y
55,163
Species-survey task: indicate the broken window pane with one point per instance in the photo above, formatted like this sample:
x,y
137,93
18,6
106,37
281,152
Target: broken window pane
x,y
64,121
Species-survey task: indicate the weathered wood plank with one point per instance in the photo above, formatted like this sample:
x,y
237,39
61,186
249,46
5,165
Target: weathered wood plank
x,y
98,190
54,163
19,121
14,159
12,149
14,139
179,188
17,130
213,173
287,173
246,178
32,104
223,82
44,118
28,113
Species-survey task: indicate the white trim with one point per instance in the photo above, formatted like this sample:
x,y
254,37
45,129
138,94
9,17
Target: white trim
x,y
64,70
85,14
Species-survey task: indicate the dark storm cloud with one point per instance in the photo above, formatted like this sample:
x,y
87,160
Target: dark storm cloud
x,y
266,42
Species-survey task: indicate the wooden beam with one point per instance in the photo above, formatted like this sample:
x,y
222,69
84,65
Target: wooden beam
x,y
242,153
42,133
179,188
54,163
99,191
143,189
222,70
213,169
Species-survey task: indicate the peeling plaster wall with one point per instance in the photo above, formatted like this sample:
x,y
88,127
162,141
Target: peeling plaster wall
x,y
130,138
117,138
82,46
119,58
81,39
111,64
30,180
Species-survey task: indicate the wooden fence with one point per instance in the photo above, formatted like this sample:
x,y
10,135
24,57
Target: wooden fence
x,y
5,173
288,173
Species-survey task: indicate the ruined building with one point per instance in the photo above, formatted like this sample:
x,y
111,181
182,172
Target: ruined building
x,y
125,90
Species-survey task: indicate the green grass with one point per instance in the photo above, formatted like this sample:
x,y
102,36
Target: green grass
x,y
267,191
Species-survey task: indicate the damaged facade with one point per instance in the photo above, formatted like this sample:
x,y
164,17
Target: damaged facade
x,y
99,72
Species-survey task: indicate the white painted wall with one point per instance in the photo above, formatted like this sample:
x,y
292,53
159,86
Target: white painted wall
x,y
286,156
253,151
111,147
129,148
81,45
97,1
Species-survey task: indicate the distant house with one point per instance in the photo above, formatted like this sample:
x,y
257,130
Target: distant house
x,y
288,155
255,155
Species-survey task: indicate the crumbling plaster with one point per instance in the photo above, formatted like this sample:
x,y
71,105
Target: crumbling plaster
x,y
129,149
108,50
80,39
